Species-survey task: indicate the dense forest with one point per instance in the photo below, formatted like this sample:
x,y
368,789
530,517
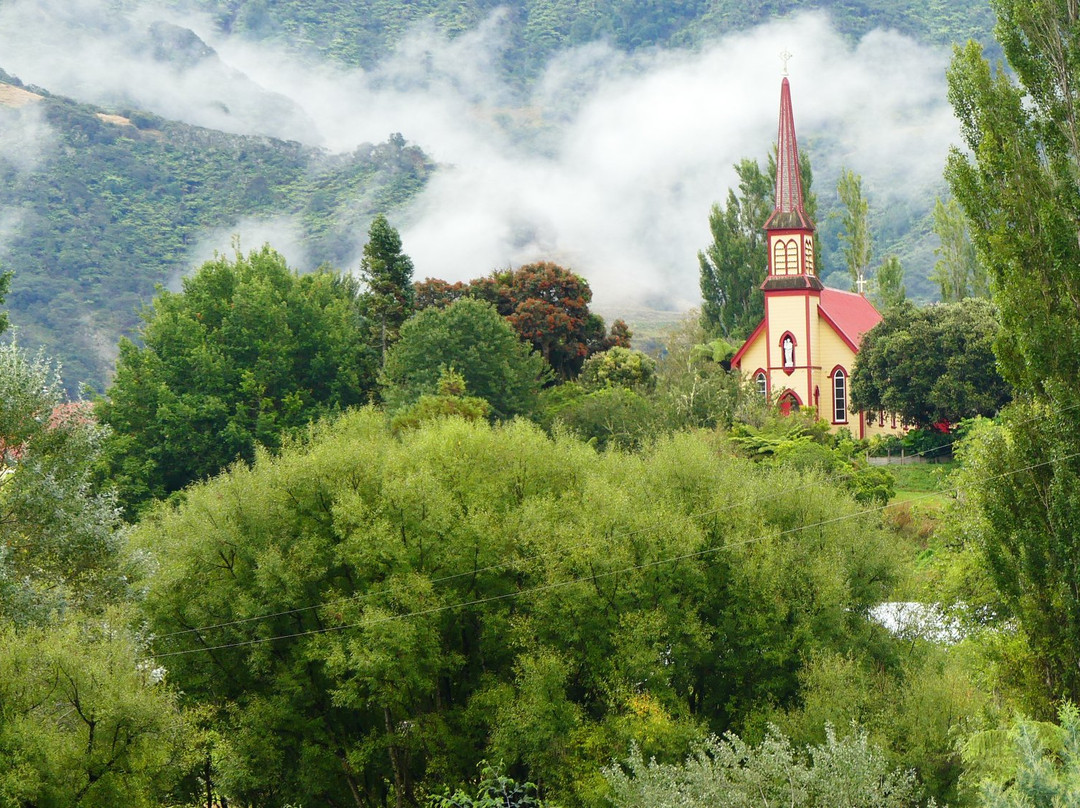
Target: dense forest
x,y
362,33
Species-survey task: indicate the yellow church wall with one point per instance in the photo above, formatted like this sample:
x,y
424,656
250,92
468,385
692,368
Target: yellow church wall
x,y
826,350
755,357
791,311
833,351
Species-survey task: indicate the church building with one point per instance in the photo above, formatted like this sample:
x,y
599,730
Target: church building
x,y
802,352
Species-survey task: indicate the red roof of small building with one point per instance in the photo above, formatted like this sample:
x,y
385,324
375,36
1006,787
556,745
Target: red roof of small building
x,y
850,314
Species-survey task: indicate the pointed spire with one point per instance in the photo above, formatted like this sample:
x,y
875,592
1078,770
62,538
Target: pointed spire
x,y
789,212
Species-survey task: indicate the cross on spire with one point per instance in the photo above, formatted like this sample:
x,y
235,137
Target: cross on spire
x,y
784,57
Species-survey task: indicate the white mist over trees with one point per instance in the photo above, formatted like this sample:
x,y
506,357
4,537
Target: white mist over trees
x,y
609,174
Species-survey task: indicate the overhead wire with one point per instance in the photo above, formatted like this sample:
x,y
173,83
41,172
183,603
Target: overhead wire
x,y
362,596
577,580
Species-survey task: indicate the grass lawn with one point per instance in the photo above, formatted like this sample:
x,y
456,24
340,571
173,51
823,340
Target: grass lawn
x,y
923,484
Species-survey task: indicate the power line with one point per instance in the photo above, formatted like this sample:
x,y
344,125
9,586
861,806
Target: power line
x,y
362,596
577,580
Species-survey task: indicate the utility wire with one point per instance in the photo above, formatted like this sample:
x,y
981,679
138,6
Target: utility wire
x,y
362,596
583,579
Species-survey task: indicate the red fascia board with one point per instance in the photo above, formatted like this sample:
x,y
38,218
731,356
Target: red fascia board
x,y
736,360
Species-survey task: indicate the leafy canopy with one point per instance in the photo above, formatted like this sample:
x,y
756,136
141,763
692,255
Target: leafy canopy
x,y
931,365
547,305
470,337
247,351
648,596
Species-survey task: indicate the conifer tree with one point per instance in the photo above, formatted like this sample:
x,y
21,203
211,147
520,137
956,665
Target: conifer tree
x,y
387,271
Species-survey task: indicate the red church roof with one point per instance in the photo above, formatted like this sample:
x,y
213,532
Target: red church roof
x,y
850,314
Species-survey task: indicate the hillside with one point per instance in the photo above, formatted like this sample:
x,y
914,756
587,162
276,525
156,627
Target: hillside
x,y
101,200
361,33
112,204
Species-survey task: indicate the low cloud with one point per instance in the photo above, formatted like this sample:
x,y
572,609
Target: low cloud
x,y
283,233
611,164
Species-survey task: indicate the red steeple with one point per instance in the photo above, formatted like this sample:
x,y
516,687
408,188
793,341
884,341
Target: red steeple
x,y
789,213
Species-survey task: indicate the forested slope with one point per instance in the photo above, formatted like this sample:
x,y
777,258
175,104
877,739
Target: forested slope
x,y
117,203
360,33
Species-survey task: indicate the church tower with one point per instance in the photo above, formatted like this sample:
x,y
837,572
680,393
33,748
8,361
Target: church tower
x,y
791,287
802,352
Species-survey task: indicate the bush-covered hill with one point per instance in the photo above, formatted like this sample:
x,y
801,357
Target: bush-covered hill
x,y
115,203
361,32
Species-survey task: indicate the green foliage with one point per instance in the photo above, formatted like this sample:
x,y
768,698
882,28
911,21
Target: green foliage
x,y
58,532
1017,185
391,610
1034,764
891,291
113,210
694,390
914,708
931,365
471,337
804,443
733,266
387,272
547,305
494,791
958,272
248,351
1020,493
611,416
450,401
855,235
86,718
845,771
619,367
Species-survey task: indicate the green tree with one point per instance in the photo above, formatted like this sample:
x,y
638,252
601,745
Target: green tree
x,y
387,272
855,221
471,337
890,289
957,272
59,540
450,401
392,609
88,720
245,352
1017,185
734,265
619,367
931,365
548,306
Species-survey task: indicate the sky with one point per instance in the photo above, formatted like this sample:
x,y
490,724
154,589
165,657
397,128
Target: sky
x,y
609,167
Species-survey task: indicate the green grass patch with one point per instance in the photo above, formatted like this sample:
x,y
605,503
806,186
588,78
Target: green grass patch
x,y
916,478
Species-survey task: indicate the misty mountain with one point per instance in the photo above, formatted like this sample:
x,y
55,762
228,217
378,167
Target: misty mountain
x,y
593,134
103,206
363,33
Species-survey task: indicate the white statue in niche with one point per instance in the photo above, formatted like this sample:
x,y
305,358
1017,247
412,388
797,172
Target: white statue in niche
x,y
789,352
